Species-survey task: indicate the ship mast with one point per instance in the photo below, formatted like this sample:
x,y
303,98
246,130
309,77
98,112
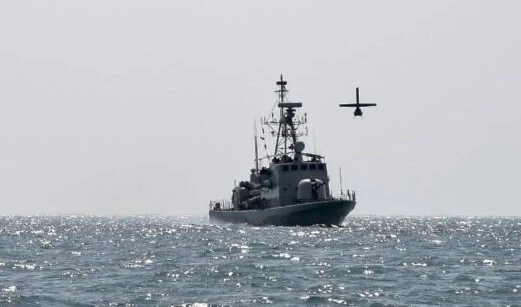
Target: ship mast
x,y
286,126
287,130
256,150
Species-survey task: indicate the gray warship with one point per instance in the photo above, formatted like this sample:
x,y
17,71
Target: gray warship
x,y
293,190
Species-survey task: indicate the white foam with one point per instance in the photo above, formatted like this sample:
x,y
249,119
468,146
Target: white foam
x,y
9,289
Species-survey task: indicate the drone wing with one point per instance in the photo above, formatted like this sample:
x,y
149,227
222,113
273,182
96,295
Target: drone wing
x,y
354,105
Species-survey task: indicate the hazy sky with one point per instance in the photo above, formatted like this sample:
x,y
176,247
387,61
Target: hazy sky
x,y
132,107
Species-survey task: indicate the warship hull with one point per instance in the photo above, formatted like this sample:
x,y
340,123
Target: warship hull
x,y
325,212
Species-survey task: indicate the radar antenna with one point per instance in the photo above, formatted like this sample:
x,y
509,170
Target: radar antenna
x,y
282,91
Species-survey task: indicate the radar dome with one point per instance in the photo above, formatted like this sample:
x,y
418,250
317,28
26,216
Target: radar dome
x,y
299,146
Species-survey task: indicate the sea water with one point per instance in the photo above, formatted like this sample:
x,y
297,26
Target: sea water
x,y
186,261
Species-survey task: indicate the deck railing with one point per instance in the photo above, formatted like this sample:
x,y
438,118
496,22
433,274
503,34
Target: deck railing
x,y
221,205
226,205
345,195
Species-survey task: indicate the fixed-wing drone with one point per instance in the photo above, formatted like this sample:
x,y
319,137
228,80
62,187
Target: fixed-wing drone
x,y
358,105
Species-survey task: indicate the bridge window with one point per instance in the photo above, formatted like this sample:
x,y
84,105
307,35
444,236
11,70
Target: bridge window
x,y
294,167
303,167
312,166
321,167
285,168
